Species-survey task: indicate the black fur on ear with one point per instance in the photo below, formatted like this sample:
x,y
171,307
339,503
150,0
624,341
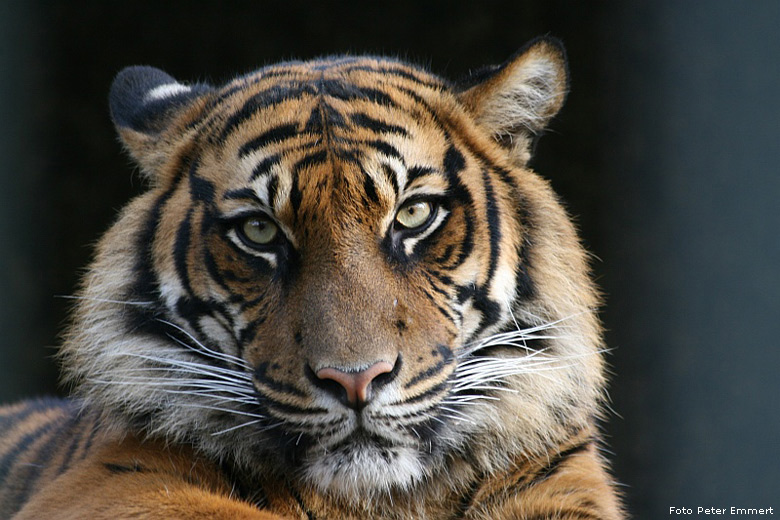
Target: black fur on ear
x,y
146,104
143,98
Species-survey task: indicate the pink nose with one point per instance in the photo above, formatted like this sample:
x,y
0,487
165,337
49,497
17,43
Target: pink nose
x,y
357,384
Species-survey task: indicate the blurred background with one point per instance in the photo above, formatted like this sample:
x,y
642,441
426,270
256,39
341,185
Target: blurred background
x,y
666,154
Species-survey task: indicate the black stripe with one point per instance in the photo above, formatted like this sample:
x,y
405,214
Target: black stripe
x,y
489,309
30,407
262,378
525,285
265,99
400,72
117,469
84,419
466,500
429,276
201,190
525,288
92,435
349,92
9,458
494,226
365,121
450,315
243,193
145,286
264,166
417,171
446,256
291,409
297,496
447,359
314,123
311,159
216,273
65,426
385,148
248,334
392,178
273,187
556,462
181,248
331,117
430,392
454,163
274,135
370,189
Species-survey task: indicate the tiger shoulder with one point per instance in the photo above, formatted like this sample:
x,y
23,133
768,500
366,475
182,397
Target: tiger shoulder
x,y
344,295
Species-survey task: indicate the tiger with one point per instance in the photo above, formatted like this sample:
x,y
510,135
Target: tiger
x,y
344,294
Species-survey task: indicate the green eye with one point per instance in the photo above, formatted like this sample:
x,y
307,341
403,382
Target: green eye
x,y
414,214
258,231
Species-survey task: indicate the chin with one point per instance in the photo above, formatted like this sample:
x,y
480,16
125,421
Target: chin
x,y
363,467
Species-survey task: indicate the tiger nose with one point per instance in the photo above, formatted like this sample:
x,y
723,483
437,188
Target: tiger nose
x,y
357,384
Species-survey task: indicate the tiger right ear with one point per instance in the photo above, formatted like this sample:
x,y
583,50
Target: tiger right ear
x,y
144,103
516,100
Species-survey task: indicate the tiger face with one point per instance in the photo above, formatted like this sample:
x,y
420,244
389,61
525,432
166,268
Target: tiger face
x,y
343,274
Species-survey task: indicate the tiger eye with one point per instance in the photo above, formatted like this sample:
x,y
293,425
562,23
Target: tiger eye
x,y
414,214
258,230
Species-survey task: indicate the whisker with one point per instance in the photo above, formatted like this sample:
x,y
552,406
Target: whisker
x,y
196,368
238,426
515,338
102,300
239,379
202,347
220,409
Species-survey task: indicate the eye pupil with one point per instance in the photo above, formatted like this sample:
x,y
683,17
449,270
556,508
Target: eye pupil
x,y
258,230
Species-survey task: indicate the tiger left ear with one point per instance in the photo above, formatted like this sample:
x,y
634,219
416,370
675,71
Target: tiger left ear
x,y
146,104
516,100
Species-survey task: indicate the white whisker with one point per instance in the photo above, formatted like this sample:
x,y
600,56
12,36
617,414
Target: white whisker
x,y
220,409
203,348
236,427
195,368
105,300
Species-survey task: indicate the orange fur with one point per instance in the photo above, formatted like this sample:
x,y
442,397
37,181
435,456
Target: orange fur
x,y
132,479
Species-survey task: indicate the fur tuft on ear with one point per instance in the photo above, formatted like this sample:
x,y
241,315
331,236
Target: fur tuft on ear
x,y
144,102
516,100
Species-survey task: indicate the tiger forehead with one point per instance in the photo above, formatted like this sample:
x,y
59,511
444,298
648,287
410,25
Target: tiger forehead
x,y
312,97
359,128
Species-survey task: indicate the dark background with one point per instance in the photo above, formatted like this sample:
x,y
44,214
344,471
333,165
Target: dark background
x,y
666,153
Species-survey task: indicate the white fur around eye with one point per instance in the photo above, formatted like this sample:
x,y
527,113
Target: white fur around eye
x,y
268,256
411,242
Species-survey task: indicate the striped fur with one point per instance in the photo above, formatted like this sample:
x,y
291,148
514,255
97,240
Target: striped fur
x,y
272,265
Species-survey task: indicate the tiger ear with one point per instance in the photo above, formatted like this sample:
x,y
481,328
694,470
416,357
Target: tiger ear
x,y
144,103
516,100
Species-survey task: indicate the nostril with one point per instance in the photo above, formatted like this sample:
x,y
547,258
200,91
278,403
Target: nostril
x,y
334,388
387,377
353,387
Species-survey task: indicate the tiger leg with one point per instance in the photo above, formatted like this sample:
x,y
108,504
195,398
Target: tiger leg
x,y
131,479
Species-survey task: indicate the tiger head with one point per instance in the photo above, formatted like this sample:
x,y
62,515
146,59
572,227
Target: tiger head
x,y
344,273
